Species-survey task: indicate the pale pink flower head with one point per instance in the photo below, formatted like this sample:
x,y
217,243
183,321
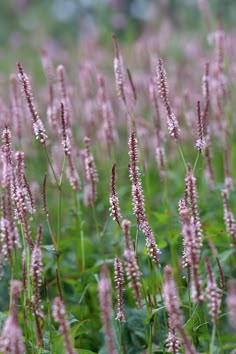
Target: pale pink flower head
x,y
213,293
162,85
119,280
11,340
38,126
59,315
172,304
231,302
36,272
119,71
105,300
113,199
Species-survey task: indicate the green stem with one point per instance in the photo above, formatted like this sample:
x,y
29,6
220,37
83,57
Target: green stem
x,y
50,164
59,219
51,234
220,340
97,233
49,315
160,331
207,341
59,202
162,300
122,342
212,346
62,171
136,241
81,249
189,300
182,156
28,293
150,340
131,117
196,161
147,189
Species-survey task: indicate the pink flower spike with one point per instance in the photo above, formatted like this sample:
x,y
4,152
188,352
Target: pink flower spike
x,y
172,304
11,340
59,315
119,70
38,126
231,302
119,280
138,200
213,293
105,300
172,122
113,199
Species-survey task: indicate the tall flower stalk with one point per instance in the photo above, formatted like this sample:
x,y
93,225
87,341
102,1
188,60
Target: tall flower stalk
x,y
162,85
59,315
138,200
11,340
105,300
38,126
113,199
36,272
131,266
213,293
175,322
119,280
229,219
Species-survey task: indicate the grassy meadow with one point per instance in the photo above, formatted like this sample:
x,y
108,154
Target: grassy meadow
x,y
117,230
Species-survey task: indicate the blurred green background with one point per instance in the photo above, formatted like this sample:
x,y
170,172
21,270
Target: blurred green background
x,y
26,25
66,19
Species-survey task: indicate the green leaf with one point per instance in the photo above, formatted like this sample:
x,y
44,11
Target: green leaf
x,y
162,218
3,317
49,248
154,312
196,322
162,243
223,256
78,329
